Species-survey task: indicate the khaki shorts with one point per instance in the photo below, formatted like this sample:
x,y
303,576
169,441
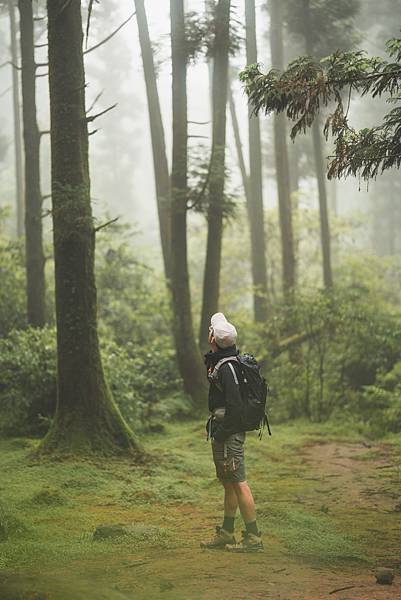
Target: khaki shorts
x,y
229,459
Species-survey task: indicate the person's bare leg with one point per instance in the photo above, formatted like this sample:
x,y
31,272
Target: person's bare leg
x,y
245,501
230,499
225,533
251,541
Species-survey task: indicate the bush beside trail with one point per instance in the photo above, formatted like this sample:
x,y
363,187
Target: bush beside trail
x,y
140,378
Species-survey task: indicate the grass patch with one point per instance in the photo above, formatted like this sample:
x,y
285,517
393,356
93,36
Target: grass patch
x,y
313,537
51,509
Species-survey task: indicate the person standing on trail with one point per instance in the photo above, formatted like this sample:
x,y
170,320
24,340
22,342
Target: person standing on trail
x,y
227,438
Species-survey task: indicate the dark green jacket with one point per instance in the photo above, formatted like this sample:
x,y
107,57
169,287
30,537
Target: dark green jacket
x,y
225,393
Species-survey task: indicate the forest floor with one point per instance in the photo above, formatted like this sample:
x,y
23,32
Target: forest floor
x,y
329,504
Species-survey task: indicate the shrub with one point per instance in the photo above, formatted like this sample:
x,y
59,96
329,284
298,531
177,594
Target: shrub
x,y
27,381
12,288
139,377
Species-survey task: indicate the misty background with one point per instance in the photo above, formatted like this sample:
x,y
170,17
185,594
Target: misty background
x,y
120,152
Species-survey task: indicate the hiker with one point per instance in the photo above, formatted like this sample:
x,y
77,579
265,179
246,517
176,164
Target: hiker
x,y
227,439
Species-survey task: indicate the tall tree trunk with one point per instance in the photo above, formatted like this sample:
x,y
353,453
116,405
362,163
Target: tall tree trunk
x,y
320,170
86,419
162,177
281,155
188,356
256,212
211,277
35,260
19,177
238,146
210,7
323,210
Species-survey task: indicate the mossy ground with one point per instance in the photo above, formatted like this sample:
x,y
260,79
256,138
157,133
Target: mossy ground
x,y
327,504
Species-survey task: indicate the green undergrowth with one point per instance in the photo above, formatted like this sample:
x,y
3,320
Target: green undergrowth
x,y
50,509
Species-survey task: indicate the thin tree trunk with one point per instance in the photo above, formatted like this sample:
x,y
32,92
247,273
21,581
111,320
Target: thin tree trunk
x,y
323,210
86,419
211,278
320,170
19,177
238,146
333,196
293,159
162,177
210,7
35,260
281,155
256,212
188,356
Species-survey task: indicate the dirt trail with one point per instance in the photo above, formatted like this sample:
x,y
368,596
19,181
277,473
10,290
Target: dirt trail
x,y
339,476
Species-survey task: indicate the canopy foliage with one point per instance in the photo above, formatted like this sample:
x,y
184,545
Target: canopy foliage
x,y
308,85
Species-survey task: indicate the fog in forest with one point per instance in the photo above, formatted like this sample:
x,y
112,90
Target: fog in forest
x,y
121,160
200,261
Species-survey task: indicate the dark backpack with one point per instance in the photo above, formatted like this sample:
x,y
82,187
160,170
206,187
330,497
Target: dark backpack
x,y
253,388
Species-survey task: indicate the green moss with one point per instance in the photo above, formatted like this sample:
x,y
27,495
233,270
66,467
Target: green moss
x,y
173,500
48,496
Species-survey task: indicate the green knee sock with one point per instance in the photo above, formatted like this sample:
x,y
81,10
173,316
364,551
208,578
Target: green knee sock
x,y
228,524
252,528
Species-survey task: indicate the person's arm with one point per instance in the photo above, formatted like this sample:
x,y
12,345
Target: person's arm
x,y
230,384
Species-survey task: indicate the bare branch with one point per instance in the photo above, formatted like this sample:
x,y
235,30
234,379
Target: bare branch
x,y
92,118
93,132
199,122
347,587
6,91
8,62
205,137
95,101
41,45
90,7
106,224
46,132
109,36
39,65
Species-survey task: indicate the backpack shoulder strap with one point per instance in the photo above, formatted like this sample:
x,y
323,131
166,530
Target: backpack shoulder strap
x,y
229,360
224,360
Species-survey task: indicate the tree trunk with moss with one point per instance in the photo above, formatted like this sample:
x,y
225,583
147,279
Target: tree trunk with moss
x,y
255,205
211,277
188,355
160,165
86,419
35,260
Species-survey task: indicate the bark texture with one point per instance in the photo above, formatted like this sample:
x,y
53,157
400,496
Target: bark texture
x,y
19,173
281,156
86,419
35,259
160,164
211,277
188,355
255,205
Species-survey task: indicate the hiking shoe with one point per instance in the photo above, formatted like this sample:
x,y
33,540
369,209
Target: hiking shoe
x,y
220,540
249,543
